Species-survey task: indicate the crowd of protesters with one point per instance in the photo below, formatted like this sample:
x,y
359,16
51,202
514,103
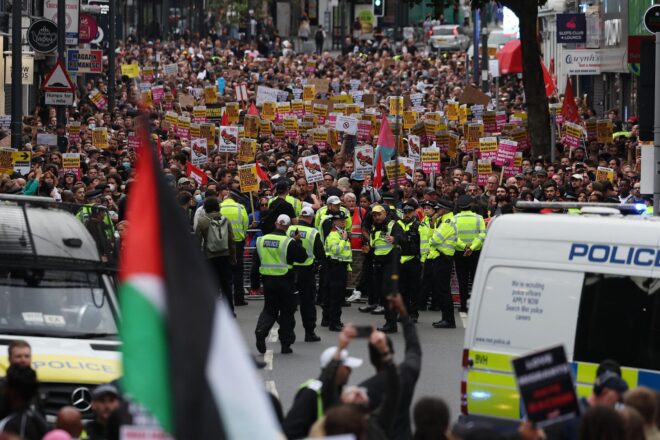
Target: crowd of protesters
x,y
378,69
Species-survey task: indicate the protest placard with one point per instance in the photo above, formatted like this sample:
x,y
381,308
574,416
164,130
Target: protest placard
x,y
199,151
591,125
210,95
484,169
266,94
431,159
604,131
247,150
170,69
545,382
364,159
392,173
228,139
474,132
347,124
232,112
452,111
312,167
100,137
488,148
604,173
248,178
572,134
130,70
183,127
506,152
208,131
396,105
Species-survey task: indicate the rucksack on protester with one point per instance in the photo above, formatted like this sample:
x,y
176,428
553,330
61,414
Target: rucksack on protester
x,y
217,239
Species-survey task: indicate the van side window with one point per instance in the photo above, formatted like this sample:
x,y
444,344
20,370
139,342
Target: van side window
x,y
619,318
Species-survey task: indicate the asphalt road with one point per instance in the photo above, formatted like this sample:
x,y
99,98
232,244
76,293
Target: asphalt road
x,y
441,355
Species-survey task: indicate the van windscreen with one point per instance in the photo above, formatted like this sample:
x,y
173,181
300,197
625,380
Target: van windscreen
x,y
55,303
619,319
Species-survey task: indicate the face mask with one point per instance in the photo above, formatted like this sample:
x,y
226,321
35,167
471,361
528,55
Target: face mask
x,y
281,170
112,187
198,198
289,163
126,165
92,126
538,168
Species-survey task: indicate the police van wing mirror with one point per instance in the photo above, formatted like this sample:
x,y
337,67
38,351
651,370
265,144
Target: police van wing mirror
x,y
89,318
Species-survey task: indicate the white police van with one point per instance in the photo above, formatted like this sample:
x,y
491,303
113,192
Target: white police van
x,y
56,294
588,282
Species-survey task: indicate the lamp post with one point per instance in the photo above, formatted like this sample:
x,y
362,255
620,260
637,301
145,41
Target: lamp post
x,y
484,59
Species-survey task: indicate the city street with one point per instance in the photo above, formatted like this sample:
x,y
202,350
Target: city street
x,y
441,355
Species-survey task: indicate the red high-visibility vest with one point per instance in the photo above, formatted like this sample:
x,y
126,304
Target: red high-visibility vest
x,y
356,228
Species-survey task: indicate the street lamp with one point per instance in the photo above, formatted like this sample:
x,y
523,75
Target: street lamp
x,y
484,59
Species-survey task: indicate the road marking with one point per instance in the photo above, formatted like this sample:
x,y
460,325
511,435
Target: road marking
x,y
268,359
271,388
272,336
463,318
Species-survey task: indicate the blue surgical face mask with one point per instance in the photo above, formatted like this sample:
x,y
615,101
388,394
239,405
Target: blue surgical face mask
x,y
289,163
126,165
281,170
198,198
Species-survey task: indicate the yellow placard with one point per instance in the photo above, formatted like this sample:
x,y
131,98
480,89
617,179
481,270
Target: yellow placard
x,y
396,105
604,173
474,134
207,131
604,131
265,127
309,92
284,107
342,99
269,111
210,95
130,70
247,150
249,180
232,112
251,126
100,137
409,119
452,111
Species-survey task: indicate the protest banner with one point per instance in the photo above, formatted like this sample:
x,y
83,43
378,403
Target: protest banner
x,y
347,124
572,134
431,159
521,136
309,92
604,173
392,173
312,167
247,150
248,178
210,95
396,105
183,127
321,111
591,125
157,94
130,70
195,131
284,108
199,151
199,113
506,152
364,159
265,127
170,69
208,131
364,131
73,132
269,111
408,167
500,120
148,74
604,131
544,380
100,137
228,139
442,141
266,94
409,119
251,124
290,126
6,160
414,145
70,161
98,99
474,132
488,148
232,112
452,149
452,111
484,169
490,122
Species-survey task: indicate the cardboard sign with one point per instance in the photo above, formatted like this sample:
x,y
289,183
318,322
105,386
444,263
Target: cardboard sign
x,y
364,159
431,159
266,94
545,382
488,148
472,95
199,151
604,173
321,85
248,178
313,170
228,139
100,137
247,150
186,101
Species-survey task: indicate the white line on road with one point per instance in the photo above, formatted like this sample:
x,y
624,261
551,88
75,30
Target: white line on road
x,y
464,319
271,388
268,359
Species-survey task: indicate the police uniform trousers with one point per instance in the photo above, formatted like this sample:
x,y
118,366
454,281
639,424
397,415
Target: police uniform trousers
x,y
306,286
384,267
410,274
279,306
441,269
239,287
426,290
336,280
465,270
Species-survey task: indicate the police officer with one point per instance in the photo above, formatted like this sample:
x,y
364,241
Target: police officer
x,y
426,228
323,221
442,245
338,258
306,271
411,269
237,215
273,261
384,238
471,230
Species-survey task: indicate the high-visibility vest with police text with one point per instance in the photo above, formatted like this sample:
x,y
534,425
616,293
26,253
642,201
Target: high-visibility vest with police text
x,y
272,251
378,243
307,237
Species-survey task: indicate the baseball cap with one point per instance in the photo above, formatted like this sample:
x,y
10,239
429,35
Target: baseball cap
x,y
183,180
377,208
307,212
103,390
577,176
283,220
344,358
333,200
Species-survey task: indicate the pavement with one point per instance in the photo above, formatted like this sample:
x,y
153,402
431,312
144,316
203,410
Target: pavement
x,y
441,354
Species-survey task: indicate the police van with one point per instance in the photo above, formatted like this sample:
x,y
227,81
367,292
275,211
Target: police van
x,y
588,282
56,294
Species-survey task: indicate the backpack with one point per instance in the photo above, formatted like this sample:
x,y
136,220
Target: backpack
x,y
217,239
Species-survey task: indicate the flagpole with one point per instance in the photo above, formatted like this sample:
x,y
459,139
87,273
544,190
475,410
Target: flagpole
x,y
397,138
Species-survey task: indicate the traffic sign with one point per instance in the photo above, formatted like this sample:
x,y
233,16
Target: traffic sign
x,y
59,98
652,19
22,163
58,80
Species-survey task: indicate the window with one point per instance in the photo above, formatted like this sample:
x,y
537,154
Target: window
x,y
619,318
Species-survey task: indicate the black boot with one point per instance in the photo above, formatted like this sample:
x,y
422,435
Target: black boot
x,y
312,337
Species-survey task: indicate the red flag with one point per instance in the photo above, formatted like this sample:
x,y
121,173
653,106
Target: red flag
x,y
225,119
549,83
263,177
569,109
253,110
196,174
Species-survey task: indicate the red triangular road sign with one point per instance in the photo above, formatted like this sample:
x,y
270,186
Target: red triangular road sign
x,y
58,80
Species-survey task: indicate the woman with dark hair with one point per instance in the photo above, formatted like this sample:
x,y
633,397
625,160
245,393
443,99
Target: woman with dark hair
x,y
431,417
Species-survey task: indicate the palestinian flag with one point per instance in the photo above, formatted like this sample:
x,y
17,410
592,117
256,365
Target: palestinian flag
x,y
184,359
385,150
